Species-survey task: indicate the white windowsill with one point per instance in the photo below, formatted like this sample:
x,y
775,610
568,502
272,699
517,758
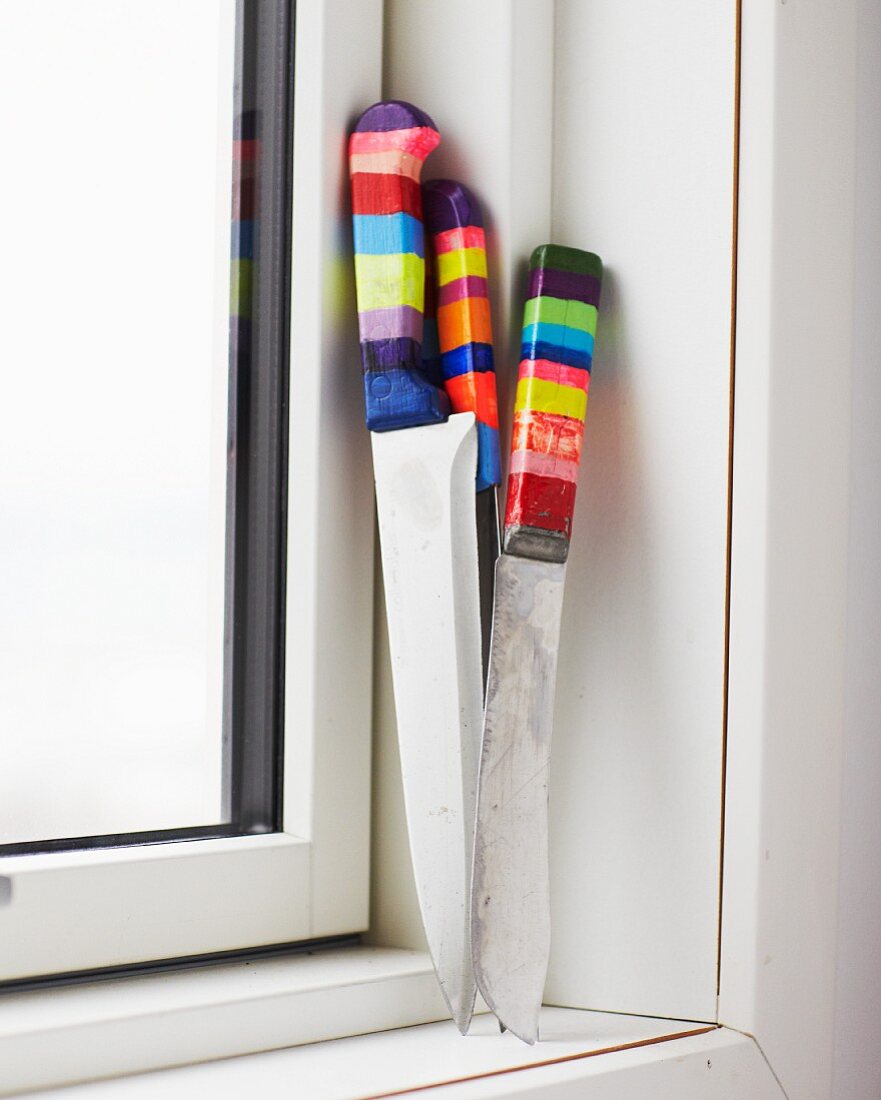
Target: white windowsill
x,y
128,1026
619,1056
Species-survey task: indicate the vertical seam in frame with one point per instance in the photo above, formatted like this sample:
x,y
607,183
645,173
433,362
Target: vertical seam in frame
x,y
728,535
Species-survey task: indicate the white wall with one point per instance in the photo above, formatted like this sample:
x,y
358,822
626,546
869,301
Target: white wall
x,y
643,175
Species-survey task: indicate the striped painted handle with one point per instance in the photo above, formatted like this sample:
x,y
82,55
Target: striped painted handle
x,y
559,326
431,353
386,152
458,250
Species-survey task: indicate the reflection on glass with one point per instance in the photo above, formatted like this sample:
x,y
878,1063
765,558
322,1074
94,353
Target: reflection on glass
x,y
114,289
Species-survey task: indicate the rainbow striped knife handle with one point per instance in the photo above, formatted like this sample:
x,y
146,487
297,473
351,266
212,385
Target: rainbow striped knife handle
x,y
559,326
458,250
386,152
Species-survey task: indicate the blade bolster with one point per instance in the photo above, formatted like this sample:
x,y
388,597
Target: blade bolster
x,y
536,543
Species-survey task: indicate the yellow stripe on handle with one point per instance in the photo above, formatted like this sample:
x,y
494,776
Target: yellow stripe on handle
x,y
388,281
537,395
459,264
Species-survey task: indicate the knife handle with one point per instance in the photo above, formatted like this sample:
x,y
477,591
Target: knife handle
x,y
431,353
559,326
458,250
386,151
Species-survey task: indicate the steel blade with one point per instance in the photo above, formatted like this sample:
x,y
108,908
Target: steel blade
x,y
425,502
510,922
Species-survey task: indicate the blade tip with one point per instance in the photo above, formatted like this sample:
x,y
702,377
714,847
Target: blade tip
x,y
525,1035
461,1007
525,1030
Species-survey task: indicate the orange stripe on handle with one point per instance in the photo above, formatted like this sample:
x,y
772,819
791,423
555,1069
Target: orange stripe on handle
x,y
464,322
475,392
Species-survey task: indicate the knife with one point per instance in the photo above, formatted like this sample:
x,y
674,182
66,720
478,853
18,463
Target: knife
x,y
424,468
454,224
510,892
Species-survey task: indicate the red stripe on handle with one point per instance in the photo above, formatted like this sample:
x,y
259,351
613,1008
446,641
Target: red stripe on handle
x,y
544,502
373,193
548,433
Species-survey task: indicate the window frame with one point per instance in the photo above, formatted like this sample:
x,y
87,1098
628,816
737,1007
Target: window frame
x,y
90,908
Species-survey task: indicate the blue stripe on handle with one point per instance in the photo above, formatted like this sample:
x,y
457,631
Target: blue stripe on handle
x,y
467,358
388,234
561,336
569,357
489,464
401,398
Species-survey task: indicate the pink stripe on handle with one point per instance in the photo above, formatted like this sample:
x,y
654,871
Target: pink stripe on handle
x,y
555,372
419,140
386,324
472,286
534,462
391,163
466,236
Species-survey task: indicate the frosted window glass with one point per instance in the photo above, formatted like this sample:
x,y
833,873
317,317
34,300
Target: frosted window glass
x,y
117,123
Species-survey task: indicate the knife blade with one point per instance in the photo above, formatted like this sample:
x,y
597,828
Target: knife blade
x,y
510,891
454,224
424,470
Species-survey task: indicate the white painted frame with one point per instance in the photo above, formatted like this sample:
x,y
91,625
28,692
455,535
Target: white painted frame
x,y
796,969
801,935
71,911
